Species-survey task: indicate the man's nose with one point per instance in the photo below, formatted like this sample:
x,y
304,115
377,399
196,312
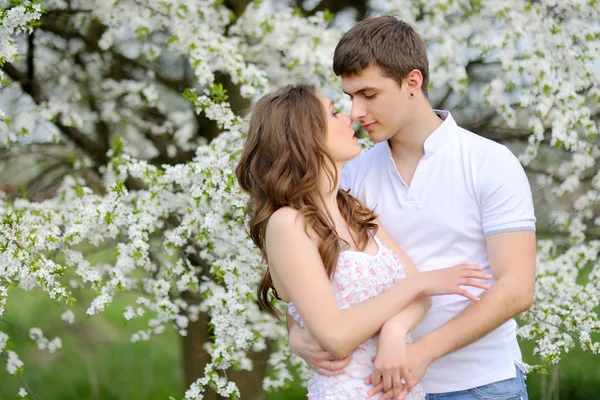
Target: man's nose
x,y
358,111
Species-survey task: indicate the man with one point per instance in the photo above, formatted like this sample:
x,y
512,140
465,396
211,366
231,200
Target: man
x,y
446,196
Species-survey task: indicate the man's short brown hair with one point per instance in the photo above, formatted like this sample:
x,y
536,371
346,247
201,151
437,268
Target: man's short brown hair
x,y
385,42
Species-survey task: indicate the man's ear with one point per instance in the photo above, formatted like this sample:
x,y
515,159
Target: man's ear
x,y
414,80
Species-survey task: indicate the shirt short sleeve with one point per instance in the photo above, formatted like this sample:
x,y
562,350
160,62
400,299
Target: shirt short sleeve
x,y
505,194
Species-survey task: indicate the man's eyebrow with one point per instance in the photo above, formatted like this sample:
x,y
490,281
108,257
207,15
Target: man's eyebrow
x,y
364,89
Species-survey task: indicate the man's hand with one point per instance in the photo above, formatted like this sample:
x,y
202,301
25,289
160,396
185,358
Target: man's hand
x,y
417,360
318,359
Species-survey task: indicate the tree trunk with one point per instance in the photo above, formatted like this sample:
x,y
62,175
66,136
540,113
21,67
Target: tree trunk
x,y
195,358
194,355
250,382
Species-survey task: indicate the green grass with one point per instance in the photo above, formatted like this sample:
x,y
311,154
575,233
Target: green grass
x,y
98,361
578,373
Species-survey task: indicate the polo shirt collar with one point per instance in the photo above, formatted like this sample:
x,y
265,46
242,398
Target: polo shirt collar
x,y
442,134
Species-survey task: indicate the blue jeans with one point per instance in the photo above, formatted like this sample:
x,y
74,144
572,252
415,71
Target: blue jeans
x,y
509,389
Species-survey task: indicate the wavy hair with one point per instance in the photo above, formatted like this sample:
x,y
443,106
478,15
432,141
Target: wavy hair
x,y
281,165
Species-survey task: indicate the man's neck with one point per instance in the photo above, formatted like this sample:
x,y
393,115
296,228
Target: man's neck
x,y
408,143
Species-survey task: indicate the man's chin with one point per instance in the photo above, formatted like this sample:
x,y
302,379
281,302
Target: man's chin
x,y
377,138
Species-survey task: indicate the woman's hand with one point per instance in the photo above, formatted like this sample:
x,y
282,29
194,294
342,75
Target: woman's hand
x,y
450,280
390,362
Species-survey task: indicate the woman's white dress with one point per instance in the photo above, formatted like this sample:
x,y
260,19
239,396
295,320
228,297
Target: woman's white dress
x,y
358,277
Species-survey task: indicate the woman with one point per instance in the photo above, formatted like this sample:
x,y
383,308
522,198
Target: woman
x,y
340,274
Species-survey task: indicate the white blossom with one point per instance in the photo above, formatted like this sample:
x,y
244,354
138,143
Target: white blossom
x,y
68,317
13,364
181,228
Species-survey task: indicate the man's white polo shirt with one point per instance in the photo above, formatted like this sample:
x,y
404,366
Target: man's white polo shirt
x,y
465,188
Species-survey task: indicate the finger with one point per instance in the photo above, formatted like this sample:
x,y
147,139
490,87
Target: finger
x,y
476,274
387,395
326,357
402,395
468,295
376,389
376,378
318,351
326,372
468,267
473,267
398,384
387,382
333,365
474,283
406,379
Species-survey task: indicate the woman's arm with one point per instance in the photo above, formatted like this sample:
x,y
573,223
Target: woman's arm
x,y
391,345
407,319
299,276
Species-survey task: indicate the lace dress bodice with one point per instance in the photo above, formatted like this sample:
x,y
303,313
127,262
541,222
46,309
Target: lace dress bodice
x,y
358,277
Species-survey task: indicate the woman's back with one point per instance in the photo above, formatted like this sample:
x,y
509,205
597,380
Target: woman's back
x,y
358,277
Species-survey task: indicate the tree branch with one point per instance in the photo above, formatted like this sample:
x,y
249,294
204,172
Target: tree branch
x,y
440,104
237,6
49,24
336,6
35,184
101,126
94,150
27,83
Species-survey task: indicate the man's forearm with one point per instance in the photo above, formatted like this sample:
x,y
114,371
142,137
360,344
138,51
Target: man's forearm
x,y
497,305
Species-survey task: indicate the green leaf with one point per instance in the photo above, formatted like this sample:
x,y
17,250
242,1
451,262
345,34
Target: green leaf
x,y
141,32
190,95
117,145
118,187
266,26
547,89
218,93
108,218
79,190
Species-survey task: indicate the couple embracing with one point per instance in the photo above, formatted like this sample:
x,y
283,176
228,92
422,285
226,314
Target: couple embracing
x,y
402,269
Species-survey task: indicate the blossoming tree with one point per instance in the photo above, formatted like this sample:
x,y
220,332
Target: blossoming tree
x,y
133,110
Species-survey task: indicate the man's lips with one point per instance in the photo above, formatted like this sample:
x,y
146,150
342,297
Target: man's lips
x,y
369,126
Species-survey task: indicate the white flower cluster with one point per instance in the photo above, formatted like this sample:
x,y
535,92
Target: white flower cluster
x,y
37,335
179,226
16,20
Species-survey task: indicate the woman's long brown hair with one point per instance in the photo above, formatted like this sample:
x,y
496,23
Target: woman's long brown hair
x,y
281,166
